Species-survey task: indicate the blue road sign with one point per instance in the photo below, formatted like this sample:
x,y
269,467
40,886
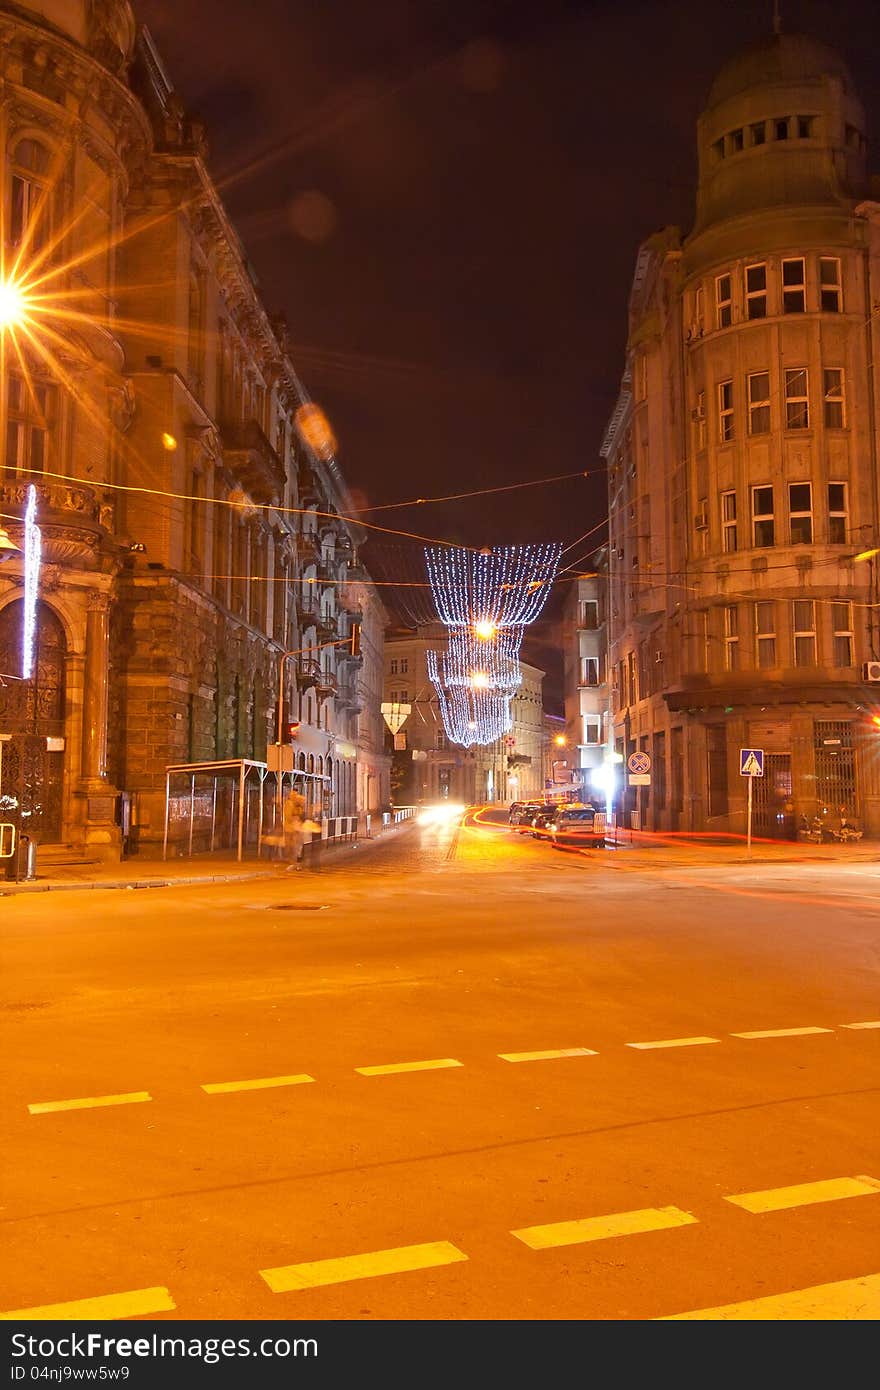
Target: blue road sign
x,y
751,762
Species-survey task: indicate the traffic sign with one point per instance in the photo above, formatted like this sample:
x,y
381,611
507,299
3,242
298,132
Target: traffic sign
x,y
751,762
639,763
640,779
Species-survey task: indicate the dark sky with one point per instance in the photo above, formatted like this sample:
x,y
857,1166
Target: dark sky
x,y
446,197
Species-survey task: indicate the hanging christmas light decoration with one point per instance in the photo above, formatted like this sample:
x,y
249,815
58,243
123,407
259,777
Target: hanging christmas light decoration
x,y
486,599
33,543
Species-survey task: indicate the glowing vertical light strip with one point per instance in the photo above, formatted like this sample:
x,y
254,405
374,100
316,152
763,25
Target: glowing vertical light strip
x,y
33,545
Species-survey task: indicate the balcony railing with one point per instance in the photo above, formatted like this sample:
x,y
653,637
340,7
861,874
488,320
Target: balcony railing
x,y
72,518
250,456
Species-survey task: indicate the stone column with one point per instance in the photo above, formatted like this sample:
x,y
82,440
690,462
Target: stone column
x,y
96,695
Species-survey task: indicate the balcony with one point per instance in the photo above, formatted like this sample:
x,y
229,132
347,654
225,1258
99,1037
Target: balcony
x,y
308,548
249,455
306,608
72,519
309,488
326,626
348,697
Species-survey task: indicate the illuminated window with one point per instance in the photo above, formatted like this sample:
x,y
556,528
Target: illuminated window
x,y
30,166
725,411
731,637
723,304
842,628
728,522
756,291
589,670
797,407
794,289
837,514
800,513
30,411
832,398
765,634
763,522
804,631
759,402
592,732
830,285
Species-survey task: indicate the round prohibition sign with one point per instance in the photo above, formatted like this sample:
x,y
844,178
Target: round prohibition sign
x,y
639,763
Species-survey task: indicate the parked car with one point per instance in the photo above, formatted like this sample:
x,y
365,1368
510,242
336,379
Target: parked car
x,y
582,826
529,810
543,820
515,812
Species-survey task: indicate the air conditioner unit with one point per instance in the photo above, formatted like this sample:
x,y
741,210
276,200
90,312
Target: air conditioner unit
x,y
871,671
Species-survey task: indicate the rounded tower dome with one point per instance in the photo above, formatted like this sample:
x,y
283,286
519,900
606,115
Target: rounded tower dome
x,y
783,126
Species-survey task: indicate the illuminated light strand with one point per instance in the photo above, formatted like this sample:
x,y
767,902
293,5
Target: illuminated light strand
x,y
33,545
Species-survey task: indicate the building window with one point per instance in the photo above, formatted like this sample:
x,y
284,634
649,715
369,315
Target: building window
x,y
794,289
195,523
589,670
800,513
30,407
763,523
404,665
441,741
759,132
837,514
394,665
632,687
725,411
718,148
699,310
805,127
832,397
393,696
716,755
731,637
804,631
588,614
728,522
830,285
723,303
780,128
797,407
842,628
404,696
765,634
592,732
699,418
759,402
756,291
27,193
736,140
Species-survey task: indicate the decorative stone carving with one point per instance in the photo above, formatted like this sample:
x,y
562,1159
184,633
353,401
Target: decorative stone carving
x,y
122,405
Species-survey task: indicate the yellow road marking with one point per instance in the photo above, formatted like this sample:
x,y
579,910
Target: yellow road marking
x,y
46,1107
404,1258
137,1303
622,1223
781,1032
434,1065
805,1193
674,1042
849,1300
874,1024
546,1056
215,1088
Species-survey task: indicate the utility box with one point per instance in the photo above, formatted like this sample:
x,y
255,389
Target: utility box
x,y
279,757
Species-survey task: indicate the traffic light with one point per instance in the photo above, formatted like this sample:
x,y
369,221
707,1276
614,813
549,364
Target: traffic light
x,y
292,729
355,639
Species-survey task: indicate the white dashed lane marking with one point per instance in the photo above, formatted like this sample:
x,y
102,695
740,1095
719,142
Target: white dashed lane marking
x,y
137,1303
264,1083
437,1064
806,1194
548,1055
401,1260
849,1300
673,1042
781,1032
874,1024
47,1107
621,1223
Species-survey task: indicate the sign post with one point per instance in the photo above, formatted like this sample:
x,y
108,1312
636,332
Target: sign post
x,y
751,765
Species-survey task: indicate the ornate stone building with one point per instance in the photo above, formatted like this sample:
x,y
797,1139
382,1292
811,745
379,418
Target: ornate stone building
x,y
742,459
192,512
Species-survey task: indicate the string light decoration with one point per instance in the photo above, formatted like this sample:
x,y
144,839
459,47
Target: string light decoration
x,y
486,599
33,544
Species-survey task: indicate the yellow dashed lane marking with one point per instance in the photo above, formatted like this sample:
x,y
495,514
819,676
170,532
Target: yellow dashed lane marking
x,y
782,1032
216,1088
45,1107
850,1300
674,1042
546,1056
805,1193
622,1223
874,1024
434,1065
401,1260
137,1303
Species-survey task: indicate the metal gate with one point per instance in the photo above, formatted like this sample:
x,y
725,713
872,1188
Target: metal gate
x,y
32,712
773,811
835,767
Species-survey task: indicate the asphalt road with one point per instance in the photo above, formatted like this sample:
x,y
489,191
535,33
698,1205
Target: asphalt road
x,y
205,1113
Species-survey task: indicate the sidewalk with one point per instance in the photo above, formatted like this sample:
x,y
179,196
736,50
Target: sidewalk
x,y
659,849
140,872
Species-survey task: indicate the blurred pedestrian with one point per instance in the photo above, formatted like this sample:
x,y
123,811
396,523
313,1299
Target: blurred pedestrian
x,y
316,826
292,819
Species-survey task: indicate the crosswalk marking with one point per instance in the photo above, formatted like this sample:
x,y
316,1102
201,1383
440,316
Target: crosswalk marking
x,y
673,1042
782,1032
136,1303
215,1088
548,1055
47,1107
848,1300
621,1223
404,1258
874,1024
806,1193
437,1064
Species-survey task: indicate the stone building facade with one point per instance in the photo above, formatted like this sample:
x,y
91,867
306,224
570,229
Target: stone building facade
x,y
587,726
195,523
742,458
429,767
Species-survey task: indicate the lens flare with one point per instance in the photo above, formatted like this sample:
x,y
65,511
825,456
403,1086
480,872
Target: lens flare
x,y
13,305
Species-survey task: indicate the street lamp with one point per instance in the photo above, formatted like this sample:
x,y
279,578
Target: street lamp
x,y
560,740
479,680
485,629
13,304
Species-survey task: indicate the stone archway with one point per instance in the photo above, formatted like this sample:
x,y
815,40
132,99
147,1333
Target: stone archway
x,y
32,715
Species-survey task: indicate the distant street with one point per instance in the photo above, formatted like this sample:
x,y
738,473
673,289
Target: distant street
x,y
526,1083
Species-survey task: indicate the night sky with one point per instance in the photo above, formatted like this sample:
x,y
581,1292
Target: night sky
x,y
446,197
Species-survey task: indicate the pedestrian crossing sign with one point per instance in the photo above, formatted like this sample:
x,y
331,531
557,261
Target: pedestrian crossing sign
x,y
751,762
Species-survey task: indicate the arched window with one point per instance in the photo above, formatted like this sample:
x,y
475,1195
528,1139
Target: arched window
x,y
31,403
28,208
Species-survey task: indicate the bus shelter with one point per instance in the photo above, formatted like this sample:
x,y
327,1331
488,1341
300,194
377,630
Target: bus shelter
x,y
224,805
